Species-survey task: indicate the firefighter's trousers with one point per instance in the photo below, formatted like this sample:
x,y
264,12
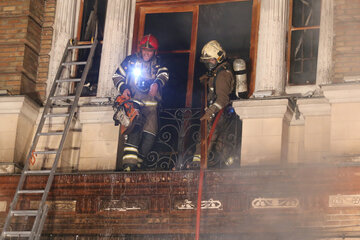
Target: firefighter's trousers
x,y
141,138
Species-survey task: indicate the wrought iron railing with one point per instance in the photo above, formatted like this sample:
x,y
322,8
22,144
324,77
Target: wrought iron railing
x,y
178,135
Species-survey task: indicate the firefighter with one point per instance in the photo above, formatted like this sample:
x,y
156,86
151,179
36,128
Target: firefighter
x,y
140,77
220,84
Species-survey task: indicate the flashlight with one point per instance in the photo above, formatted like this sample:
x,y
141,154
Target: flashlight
x,y
137,72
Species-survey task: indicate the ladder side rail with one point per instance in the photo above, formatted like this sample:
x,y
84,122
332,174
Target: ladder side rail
x,y
42,221
66,130
48,101
39,223
35,140
68,122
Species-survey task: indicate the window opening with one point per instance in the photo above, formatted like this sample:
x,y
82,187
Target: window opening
x,y
233,23
303,41
173,30
229,24
182,30
91,24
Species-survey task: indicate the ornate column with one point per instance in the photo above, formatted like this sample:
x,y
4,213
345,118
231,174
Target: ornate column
x,y
64,27
271,66
326,37
117,42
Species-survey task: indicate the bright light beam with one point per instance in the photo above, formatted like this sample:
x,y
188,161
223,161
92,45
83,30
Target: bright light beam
x,y
137,72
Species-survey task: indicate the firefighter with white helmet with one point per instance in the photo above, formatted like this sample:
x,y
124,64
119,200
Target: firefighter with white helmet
x,y
220,84
140,77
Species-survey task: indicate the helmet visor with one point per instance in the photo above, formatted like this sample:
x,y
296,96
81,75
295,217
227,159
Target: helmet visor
x,y
205,57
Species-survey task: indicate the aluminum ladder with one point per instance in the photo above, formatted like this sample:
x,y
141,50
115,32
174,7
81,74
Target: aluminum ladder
x,y
72,103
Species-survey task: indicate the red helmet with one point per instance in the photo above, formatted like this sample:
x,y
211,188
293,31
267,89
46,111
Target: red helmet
x,y
149,42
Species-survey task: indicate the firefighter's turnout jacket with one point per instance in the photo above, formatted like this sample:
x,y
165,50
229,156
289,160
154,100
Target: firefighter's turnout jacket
x,y
137,76
220,85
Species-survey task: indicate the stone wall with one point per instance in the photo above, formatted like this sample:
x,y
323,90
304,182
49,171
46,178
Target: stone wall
x,y
18,116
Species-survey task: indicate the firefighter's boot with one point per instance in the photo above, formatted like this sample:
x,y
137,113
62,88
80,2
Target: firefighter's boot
x,y
131,152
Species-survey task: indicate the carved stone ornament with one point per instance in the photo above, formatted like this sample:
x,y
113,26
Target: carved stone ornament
x,y
275,203
185,205
121,206
344,200
3,205
188,205
59,206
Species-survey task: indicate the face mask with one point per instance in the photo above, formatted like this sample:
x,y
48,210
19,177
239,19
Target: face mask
x,y
209,65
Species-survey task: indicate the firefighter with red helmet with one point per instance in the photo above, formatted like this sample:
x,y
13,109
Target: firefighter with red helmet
x,y
140,77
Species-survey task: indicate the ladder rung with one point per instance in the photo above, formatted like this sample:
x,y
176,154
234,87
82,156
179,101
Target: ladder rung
x,y
24,212
37,172
57,115
80,47
50,133
73,63
61,105
46,152
62,97
17,234
31,191
69,80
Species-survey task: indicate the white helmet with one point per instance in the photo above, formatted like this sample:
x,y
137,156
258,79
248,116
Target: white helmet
x,y
213,49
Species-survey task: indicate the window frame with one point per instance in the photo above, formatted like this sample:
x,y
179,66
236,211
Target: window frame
x,y
79,42
144,7
291,88
79,25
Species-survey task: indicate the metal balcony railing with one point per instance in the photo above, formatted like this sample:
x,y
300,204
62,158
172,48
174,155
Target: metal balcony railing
x,y
178,135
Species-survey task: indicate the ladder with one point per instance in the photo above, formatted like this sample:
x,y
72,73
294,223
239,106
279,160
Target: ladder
x,y
39,215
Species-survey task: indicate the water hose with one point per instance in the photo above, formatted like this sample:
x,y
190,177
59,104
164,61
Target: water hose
x,y
203,165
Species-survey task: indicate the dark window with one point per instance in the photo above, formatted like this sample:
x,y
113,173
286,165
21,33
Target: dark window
x,y
91,24
174,93
304,41
306,13
230,25
172,29
187,29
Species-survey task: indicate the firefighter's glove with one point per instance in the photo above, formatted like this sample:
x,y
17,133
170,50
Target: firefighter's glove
x,y
153,89
126,94
204,78
209,113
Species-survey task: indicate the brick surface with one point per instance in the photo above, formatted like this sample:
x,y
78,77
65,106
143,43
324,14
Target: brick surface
x,y
30,22
45,47
20,35
99,198
347,39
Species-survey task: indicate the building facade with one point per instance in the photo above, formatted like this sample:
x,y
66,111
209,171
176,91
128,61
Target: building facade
x,y
302,109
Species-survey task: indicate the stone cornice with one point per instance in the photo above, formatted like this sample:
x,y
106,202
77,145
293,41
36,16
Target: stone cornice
x,y
19,105
314,106
96,114
270,108
342,93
